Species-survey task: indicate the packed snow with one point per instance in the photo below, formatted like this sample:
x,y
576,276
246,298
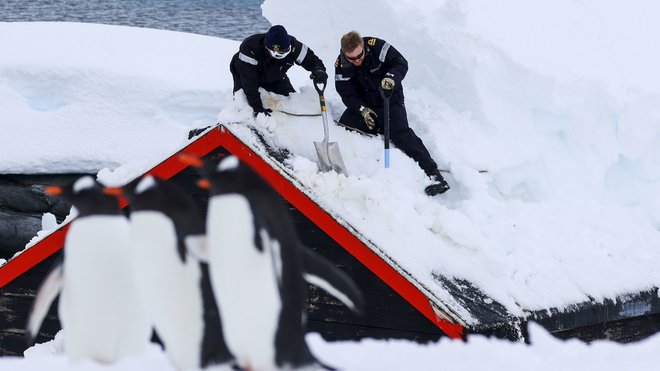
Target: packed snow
x,y
546,353
559,102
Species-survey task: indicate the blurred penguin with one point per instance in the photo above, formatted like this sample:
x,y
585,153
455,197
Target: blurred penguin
x,y
258,271
176,289
101,313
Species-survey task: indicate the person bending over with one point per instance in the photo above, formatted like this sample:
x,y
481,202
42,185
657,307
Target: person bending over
x,y
263,60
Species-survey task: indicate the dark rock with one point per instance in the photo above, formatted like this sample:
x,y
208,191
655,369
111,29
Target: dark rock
x,y
27,199
16,230
23,201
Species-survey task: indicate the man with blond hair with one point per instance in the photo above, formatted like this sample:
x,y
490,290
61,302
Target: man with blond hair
x,y
364,65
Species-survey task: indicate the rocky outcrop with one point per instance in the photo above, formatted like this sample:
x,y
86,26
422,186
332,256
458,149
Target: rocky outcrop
x,y
22,204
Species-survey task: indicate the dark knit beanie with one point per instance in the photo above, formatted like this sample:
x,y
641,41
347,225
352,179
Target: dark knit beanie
x,y
277,36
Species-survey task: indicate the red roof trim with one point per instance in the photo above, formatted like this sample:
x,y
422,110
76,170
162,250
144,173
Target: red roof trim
x,y
52,243
340,234
207,143
32,256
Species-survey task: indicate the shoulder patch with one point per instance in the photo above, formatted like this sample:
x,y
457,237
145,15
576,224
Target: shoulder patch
x,y
337,62
371,41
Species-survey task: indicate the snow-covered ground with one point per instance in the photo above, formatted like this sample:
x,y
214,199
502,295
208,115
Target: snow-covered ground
x,y
559,101
546,353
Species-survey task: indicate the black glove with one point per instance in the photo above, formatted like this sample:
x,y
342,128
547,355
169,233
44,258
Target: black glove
x,y
319,77
265,111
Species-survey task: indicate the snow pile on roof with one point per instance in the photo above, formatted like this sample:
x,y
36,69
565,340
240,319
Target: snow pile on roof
x,y
568,209
547,100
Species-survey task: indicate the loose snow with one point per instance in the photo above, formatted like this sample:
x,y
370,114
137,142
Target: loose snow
x,y
559,101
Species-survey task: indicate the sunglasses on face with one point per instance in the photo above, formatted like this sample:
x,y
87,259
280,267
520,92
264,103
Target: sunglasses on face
x,y
356,57
280,53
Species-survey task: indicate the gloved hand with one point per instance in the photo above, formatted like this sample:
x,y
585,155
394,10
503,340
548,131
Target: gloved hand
x,y
369,117
265,120
265,111
387,83
319,77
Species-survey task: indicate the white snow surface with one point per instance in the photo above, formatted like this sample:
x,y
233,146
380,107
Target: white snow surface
x,y
559,101
546,353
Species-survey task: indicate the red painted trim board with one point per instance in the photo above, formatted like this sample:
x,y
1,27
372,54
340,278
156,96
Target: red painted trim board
x,y
222,137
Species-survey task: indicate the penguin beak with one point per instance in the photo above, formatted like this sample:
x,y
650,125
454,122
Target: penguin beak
x,y
190,159
204,184
113,191
53,190
118,193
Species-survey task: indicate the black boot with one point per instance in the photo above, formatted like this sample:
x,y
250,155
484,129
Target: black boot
x,y
439,185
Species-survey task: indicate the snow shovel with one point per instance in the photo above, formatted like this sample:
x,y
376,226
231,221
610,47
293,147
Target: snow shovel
x,y
328,152
386,123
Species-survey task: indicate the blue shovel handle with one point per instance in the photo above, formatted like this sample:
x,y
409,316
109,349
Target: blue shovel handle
x,y
385,94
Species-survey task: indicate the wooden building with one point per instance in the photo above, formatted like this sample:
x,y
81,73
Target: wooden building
x,y
398,305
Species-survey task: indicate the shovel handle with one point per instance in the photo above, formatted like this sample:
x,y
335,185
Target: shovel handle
x,y
385,94
321,97
321,89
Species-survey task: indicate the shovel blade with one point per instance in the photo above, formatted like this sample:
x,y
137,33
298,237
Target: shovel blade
x,y
330,157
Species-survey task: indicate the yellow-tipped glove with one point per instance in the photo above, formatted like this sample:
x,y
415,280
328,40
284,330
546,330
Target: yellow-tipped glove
x,y
387,83
369,117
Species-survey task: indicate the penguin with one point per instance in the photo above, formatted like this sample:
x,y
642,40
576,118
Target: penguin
x,y
100,311
176,290
259,269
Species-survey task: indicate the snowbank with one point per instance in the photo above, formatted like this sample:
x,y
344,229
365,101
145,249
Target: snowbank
x,y
567,210
545,353
79,97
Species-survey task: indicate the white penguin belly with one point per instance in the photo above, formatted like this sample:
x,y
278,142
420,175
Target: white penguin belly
x,y
169,287
244,281
101,312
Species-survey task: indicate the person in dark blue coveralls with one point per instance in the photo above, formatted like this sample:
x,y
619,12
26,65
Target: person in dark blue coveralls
x,y
364,65
263,60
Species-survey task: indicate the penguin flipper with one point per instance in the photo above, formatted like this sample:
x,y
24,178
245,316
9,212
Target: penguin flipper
x,y
181,249
197,247
320,272
48,291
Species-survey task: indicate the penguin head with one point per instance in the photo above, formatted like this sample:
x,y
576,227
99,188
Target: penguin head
x,y
127,191
141,190
88,196
79,188
140,187
232,176
147,183
155,194
204,166
228,175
